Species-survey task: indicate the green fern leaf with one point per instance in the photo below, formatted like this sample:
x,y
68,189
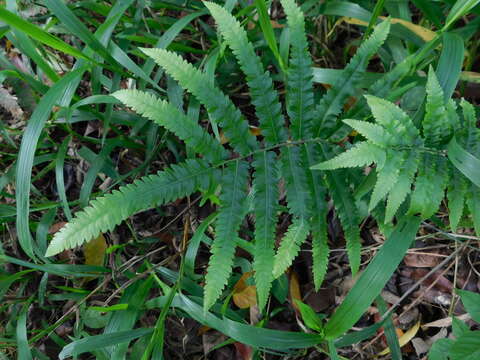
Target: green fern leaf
x,y
372,132
317,190
290,246
361,154
264,97
436,125
320,249
394,120
231,214
473,203
347,213
104,213
452,116
346,85
219,106
471,136
430,185
298,196
387,177
402,187
456,195
170,117
265,182
300,102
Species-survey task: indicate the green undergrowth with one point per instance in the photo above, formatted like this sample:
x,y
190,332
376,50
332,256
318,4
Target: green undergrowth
x,y
160,86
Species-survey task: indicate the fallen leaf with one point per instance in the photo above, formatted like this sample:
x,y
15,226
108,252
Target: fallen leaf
x,y
445,322
244,295
424,33
294,289
404,339
421,260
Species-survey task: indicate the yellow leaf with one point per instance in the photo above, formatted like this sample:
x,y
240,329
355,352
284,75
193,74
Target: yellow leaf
x,y
405,338
470,76
94,251
295,293
244,295
422,32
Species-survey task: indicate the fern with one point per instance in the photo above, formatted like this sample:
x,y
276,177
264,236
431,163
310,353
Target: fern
x,y
288,152
232,211
168,116
332,103
104,213
436,125
220,108
265,182
347,213
290,246
461,191
300,104
320,249
264,97
363,153
430,185
404,158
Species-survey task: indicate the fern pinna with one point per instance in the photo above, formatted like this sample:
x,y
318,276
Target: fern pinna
x,y
288,146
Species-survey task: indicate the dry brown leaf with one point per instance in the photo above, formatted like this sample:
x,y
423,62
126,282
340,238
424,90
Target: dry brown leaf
x,y
294,289
421,260
244,295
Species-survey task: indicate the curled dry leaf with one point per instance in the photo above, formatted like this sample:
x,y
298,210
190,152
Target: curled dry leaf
x,y
422,260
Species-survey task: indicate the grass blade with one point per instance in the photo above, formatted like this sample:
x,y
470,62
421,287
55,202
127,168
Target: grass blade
x,y
39,34
450,63
468,164
60,92
373,279
96,342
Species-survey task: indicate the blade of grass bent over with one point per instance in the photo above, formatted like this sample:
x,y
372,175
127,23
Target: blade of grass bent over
x,y
62,91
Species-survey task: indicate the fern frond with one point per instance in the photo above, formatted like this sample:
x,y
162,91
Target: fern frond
x,y
456,195
320,249
262,93
171,118
332,102
300,102
387,177
265,182
231,214
394,120
372,132
219,106
290,246
430,185
436,125
451,108
298,195
105,212
471,137
361,154
348,214
403,187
